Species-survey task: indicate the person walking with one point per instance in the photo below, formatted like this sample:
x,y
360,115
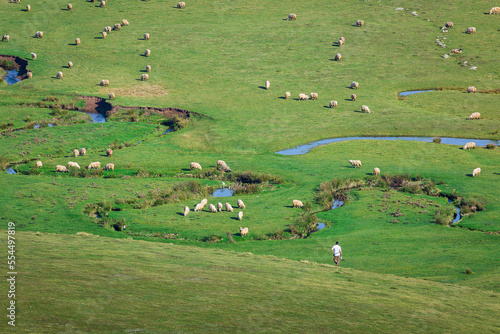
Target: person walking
x,y
337,253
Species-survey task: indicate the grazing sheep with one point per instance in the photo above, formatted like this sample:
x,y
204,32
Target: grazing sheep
x,y
73,164
103,3
77,41
39,34
39,164
376,171
340,42
5,38
449,24
354,85
353,97
342,39
365,108
28,8
204,202
181,5
146,36
304,97
70,64
147,53
297,204
194,165
240,215
62,169
456,50
314,96
83,151
360,23
33,56
109,167
475,115
108,29
268,84
470,30
494,10
104,34
220,163
287,95
471,89
212,208
338,57
241,205
243,231
229,207
104,82
109,152
355,163
30,74
199,207
96,164
186,211
117,26
469,145
76,152
476,172
69,6
148,68
125,22
333,104
225,168
111,96
219,206
291,17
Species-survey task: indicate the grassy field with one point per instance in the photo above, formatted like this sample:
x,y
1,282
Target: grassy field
x,y
212,58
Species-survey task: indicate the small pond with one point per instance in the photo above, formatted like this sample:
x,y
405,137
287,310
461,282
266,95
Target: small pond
x,y
11,77
410,92
303,149
96,117
224,192
11,171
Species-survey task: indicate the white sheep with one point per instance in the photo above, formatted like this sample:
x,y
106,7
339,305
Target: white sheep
x,y
39,164
125,23
70,64
212,208
365,109
204,201
494,10
342,39
470,145
108,29
69,6
475,115
449,24
104,34
77,41
303,97
76,152
39,34
198,207
287,95
314,96
354,85
471,30
148,68
73,164
338,57
181,5
240,215
241,205
476,172
146,36
62,169
341,42
5,38
471,89
333,104
28,8
243,231
83,151
30,74
33,56
355,163
59,75
103,3
219,206
117,26
109,152
96,164
195,165
104,82
109,167
353,97
291,17
268,84
229,207
297,204
111,96
145,77
360,23
186,211
220,163
376,171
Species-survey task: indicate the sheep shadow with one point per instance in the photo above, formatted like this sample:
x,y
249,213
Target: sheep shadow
x,y
142,55
99,37
470,175
348,100
65,66
24,10
262,87
282,97
186,170
336,44
234,218
54,78
74,44
288,206
328,107
141,39
65,9
180,213
361,111
145,71
97,6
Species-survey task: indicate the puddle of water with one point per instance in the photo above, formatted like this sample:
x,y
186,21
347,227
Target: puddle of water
x,y
11,77
224,192
410,92
38,126
11,171
96,117
303,149
337,204
168,131
321,226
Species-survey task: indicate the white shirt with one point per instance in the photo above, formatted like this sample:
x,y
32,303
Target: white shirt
x,y
336,250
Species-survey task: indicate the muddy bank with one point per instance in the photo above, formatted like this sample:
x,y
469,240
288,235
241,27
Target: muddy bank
x,y
19,64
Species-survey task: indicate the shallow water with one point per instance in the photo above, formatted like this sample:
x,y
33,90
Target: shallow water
x,y
11,77
303,149
224,192
337,204
96,117
38,126
11,171
321,226
410,92
168,131
458,216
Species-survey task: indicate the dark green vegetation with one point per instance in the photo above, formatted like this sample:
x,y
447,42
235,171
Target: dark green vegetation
x,y
212,59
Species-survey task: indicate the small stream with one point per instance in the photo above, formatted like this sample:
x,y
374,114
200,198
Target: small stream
x,y
457,216
336,204
10,170
411,92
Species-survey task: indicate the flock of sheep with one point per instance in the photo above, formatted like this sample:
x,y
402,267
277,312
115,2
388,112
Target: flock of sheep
x,y
72,164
